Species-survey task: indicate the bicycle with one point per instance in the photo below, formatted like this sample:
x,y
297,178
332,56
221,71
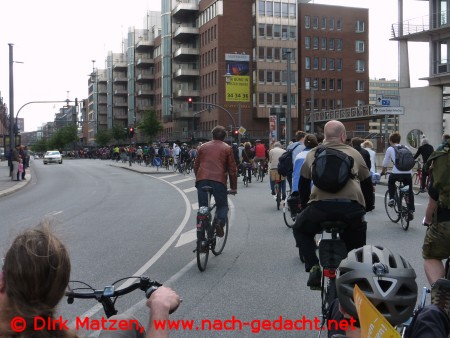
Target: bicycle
x,y
290,214
417,178
260,170
277,178
206,229
331,252
399,211
109,294
245,174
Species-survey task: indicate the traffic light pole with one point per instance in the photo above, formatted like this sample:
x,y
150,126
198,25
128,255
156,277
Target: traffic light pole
x,y
220,107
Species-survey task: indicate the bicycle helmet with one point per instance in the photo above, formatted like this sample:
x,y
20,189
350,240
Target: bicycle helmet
x,y
386,279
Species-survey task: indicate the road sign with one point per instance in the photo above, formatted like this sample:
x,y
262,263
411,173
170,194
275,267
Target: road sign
x,y
388,111
242,130
387,100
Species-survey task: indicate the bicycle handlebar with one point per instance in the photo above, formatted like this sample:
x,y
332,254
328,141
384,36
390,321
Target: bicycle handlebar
x,y
104,295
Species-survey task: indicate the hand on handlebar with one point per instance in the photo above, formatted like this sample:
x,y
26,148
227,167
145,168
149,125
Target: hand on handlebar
x,y
163,301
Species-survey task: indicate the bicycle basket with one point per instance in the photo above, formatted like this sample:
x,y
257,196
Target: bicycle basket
x,y
331,253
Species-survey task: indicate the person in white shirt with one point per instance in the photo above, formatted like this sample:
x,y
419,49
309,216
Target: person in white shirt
x,y
368,145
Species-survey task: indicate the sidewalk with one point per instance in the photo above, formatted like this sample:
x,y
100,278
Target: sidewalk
x,y
8,186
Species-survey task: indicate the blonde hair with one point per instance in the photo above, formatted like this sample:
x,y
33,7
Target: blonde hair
x,y
367,144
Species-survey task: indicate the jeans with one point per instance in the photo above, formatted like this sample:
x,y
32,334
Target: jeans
x,y
407,180
220,196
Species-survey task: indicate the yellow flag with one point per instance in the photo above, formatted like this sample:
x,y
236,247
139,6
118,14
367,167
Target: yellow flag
x,y
372,322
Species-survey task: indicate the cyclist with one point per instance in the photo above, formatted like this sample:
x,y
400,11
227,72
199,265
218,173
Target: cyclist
x,y
213,164
348,204
356,143
139,154
175,154
274,155
397,175
309,141
247,161
34,278
388,281
296,148
368,145
425,150
260,153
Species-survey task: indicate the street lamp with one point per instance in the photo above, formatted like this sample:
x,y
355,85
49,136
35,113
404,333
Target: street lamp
x,y
287,53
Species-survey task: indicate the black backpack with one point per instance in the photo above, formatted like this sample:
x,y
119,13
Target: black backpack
x,y
285,165
404,159
331,169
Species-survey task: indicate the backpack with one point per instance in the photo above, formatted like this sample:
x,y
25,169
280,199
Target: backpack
x,y
331,169
404,159
285,165
440,164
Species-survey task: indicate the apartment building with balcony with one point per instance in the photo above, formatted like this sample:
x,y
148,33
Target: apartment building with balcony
x,y
426,111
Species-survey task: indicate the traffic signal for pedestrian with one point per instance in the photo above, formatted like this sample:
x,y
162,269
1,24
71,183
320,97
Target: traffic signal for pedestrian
x,y
190,102
131,132
235,132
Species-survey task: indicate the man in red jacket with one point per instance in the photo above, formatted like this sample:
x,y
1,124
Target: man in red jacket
x,y
213,165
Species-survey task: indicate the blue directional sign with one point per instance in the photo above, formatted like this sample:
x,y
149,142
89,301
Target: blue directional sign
x,y
387,100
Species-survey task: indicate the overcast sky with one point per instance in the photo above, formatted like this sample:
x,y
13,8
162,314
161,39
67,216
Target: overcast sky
x,y
57,39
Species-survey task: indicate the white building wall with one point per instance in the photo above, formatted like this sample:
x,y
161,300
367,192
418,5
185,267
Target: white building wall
x,y
423,111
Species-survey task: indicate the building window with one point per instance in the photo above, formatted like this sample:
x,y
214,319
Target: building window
x,y
331,86
269,53
277,9
359,26
315,42
315,22
261,8
323,84
261,99
331,64
307,42
261,76
307,21
324,63
284,32
331,44
276,53
360,66
262,30
324,43
292,32
360,103
307,62
359,46
269,8
292,11
339,104
339,64
332,106
269,31
269,99
324,23
277,31
339,24
359,85
331,23
339,44
324,104
307,83
261,53
316,62
284,10
339,84
277,76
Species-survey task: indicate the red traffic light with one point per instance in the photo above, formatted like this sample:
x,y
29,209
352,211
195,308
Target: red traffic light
x,y
190,100
131,129
235,132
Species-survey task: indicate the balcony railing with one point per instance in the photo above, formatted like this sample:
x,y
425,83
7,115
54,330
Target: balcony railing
x,y
421,24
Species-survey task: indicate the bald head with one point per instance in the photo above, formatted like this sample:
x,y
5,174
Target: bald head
x,y
334,131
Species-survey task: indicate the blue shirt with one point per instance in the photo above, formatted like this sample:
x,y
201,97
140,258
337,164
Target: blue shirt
x,y
298,162
297,150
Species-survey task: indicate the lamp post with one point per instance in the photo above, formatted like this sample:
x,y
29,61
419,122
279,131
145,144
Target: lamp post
x,y
287,53
11,99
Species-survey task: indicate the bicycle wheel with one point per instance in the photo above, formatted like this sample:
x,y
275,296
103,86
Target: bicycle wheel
x,y
392,212
219,242
202,257
289,218
416,181
330,295
404,213
245,180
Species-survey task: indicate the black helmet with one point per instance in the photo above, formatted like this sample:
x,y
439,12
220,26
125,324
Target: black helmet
x,y
386,279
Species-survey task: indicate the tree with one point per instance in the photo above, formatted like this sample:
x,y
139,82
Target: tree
x,y
119,133
150,125
102,137
40,146
62,137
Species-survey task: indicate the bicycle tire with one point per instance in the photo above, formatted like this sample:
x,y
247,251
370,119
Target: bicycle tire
x,y
416,181
330,295
202,257
404,214
289,220
219,242
392,212
245,180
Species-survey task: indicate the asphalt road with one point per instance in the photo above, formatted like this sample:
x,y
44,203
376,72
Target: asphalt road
x,y
119,223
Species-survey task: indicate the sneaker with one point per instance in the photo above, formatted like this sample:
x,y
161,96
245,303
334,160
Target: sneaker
x,y
391,203
273,193
440,295
315,276
411,215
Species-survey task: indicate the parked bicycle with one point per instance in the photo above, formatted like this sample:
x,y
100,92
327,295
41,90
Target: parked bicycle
x,y
399,210
109,294
207,230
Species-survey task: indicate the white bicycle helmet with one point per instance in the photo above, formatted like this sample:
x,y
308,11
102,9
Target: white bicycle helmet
x,y
386,279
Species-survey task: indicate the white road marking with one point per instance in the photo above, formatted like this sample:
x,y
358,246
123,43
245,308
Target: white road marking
x,y
190,190
167,176
183,180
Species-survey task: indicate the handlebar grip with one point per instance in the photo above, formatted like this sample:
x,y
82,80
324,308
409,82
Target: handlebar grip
x,y
152,289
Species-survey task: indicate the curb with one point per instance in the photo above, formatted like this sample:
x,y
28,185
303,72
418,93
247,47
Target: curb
x,y
18,186
153,172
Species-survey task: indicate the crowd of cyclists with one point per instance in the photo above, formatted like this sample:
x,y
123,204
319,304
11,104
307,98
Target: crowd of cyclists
x,y
368,266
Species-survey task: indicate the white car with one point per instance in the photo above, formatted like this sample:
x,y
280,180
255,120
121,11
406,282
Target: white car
x,y
53,156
